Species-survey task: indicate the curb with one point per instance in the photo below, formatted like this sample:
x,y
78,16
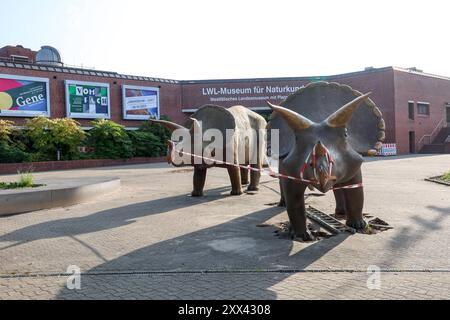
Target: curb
x,y
438,180
32,200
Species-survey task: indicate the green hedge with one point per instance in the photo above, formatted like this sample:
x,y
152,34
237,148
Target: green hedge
x,y
42,139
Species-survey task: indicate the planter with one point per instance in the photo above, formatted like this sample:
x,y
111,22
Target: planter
x,y
439,180
12,168
57,193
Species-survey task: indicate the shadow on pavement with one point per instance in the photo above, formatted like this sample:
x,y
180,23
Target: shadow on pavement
x,y
407,237
106,219
237,245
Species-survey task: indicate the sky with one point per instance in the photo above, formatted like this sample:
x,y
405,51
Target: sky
x,y
215,39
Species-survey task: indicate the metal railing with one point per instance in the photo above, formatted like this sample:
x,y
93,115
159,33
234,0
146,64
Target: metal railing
x,y
428,138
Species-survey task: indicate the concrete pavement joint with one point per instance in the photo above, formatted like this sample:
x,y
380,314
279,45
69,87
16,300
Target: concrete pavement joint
x,y
205,272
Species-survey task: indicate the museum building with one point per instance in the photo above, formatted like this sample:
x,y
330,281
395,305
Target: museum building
x,y
415,105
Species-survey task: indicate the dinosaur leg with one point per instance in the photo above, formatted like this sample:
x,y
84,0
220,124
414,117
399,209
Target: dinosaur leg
x,y
354,202
244,176
199,181
339,196
295,202
255,176
282,202
235,178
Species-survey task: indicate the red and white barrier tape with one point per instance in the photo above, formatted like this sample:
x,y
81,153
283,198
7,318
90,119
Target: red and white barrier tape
x,y
270,172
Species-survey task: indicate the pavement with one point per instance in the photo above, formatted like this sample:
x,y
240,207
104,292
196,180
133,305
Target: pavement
x,y
151,240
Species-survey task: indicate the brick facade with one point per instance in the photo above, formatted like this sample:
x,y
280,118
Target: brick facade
x,y
392,89
9,52
416,87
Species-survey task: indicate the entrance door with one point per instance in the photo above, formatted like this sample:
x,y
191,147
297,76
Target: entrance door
x,y
412,142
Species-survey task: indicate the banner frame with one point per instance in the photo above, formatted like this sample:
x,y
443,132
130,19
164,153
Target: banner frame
x,y
71,115
32,114
137,87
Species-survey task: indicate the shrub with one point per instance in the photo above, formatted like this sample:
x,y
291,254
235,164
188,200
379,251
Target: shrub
x,y
6,128
43,137
156,129
160,132
67,136
9,151
446,176
109,140
145,144
47,136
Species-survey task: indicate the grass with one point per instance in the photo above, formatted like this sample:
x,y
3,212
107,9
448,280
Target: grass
x,y
446,176
26,180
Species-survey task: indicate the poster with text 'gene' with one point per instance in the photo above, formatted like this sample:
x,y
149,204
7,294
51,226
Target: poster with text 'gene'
x,y
24,96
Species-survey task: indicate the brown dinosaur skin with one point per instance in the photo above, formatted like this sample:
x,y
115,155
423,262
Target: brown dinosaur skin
x,y
346,168
240,119
348,201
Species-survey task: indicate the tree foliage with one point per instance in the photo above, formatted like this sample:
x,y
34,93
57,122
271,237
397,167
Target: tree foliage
x,y
47,136
109,140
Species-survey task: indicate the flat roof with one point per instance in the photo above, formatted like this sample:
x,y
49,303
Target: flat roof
x,y
303,78
109,74
80,71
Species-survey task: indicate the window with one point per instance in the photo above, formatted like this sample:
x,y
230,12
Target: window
x,y
423,108
19,59
411,110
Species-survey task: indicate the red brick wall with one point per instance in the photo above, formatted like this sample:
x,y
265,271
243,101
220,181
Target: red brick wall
x,y
391,91
380,82
13,168
18,51
170,95
418,87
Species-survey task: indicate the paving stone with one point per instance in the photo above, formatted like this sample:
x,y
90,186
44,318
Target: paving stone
x,y
151,225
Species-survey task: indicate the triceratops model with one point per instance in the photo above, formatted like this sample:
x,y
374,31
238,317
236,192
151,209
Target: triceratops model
x,y
324,130
242,142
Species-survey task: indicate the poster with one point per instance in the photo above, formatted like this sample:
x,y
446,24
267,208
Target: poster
x,y
24,96
140,103
87,100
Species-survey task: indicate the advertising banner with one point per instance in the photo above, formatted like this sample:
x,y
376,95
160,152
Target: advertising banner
x,y
24,96
87,100
140,103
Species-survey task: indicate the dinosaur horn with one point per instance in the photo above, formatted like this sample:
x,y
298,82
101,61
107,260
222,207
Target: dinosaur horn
x,y
320,149
169,125
294,120
341,117
196,125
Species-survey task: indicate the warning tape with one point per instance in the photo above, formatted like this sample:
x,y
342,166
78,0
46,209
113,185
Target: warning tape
x,y
268,172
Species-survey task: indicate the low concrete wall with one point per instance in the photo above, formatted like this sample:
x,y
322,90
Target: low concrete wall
x,y
58,193
447,147
12,168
